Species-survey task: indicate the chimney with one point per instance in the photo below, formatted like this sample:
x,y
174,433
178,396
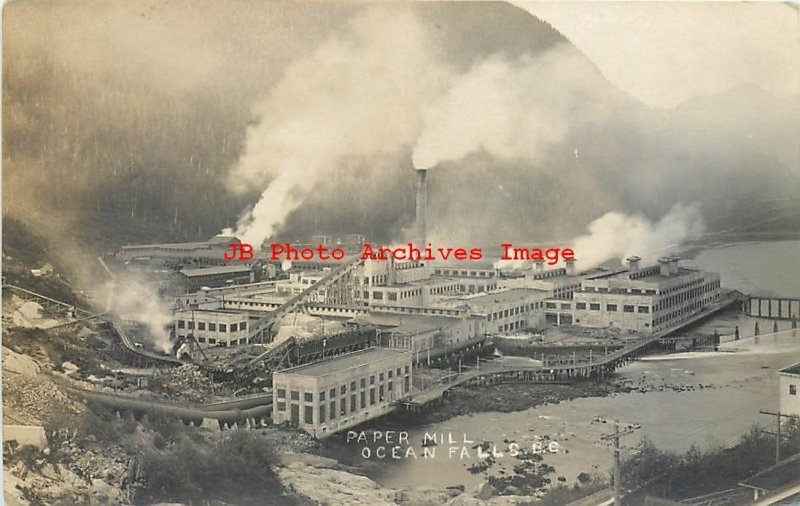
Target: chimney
x,y
539,265
663,262
422,207
570,267
673,265
633,263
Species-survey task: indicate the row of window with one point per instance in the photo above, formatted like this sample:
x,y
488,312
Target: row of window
x,y
330,409
612,308
695,282
683,310
603,289
408,264
212,327
565,292
550,273
679,298
455,272
378,295
354,385
521,324
380,279
222,343
248,303
422,310
439,290
514,311
357,400
562,305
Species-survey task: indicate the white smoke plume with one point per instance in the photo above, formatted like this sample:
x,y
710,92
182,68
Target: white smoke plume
x,y
617,235
358,95
132,298
511,109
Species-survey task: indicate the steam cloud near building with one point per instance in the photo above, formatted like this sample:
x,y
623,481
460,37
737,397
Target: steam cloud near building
x,y
133,298
549,115
347,99
616,235
335,117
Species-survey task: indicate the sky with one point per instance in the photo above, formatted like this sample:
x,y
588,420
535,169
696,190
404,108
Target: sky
x,y
664,53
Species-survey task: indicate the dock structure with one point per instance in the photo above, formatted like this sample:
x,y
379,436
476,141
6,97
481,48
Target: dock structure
x,y
563,371
773,306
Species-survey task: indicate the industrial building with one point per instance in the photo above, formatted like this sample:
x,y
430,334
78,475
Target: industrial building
x,y
193,279
647,299
341,392
208,252
424,292
213,327
506,310
789,384
559,283
297,282
427,337
391,271
460,271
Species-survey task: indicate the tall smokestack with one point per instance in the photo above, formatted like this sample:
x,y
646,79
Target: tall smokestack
x,y
422,206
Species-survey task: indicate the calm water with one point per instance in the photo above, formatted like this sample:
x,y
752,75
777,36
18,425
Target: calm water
x,y
762,267
722,395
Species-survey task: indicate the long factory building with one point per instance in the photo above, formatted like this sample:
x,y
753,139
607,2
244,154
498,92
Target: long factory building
x,y
424,304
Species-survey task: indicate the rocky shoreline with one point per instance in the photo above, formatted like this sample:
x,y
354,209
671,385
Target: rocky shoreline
x,y
324,481
530,483
531,479
506,398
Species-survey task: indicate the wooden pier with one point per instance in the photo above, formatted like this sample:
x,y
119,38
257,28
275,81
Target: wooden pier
x,y
773,307
562,371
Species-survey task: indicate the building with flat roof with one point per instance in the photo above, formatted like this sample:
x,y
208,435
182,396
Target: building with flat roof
x,y
208,252
506,310
426,336
788,384
460,270
298,282
193,279
559,283
215,327
425,292
391,271
647,299
344,391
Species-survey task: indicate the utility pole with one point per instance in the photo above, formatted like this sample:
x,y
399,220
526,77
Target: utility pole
x,y
615,439
777,432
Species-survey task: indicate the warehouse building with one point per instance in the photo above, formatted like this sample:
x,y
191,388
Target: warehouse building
x,y
559,283
647,299
506,310
213,327
426,336
193,279
210,252
326,397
